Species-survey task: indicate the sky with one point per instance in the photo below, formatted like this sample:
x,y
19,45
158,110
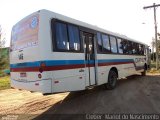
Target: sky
x,y
125,17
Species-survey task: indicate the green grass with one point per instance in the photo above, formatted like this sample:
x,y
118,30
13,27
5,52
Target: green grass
x,y
153,64
153,68
4,82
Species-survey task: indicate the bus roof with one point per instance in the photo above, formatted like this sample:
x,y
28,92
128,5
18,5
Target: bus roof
x,y
80,23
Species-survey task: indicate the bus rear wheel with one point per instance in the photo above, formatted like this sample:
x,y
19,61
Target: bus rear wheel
x,y
144,72
112,80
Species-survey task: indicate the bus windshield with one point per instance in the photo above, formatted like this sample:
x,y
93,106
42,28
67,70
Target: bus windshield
x,y
25,33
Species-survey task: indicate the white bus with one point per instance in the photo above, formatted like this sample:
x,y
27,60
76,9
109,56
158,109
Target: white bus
x,y
52,53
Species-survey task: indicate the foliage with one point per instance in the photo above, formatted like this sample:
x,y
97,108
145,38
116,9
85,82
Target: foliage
x,y
153,56
4,57
2,38
2,63
4,82
153,69
4,60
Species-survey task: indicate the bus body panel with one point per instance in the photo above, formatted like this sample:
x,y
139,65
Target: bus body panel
x,y
43,86
77,79
65,71
124,69
68,80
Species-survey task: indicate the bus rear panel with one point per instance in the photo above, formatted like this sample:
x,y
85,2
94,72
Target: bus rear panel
x,y
25,56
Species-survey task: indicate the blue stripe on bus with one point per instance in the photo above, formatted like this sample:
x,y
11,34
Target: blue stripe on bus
x,y
115,60
26,64
47,63
63,62
66,62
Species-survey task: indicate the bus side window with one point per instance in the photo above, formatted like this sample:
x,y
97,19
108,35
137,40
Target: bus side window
x,y
129,48
113,42
125,46
146,50
67,37
137,48
99,40
120,45
61,36
141,49
74,38
134,48
106,43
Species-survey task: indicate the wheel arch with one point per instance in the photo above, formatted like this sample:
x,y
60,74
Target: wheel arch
x,y
115,69
112,81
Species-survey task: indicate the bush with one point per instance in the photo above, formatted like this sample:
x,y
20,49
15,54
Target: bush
x,y
2,66
4,60
4,82
2,73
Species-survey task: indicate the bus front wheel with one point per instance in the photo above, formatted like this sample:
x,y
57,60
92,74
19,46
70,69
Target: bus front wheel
x,y
112,80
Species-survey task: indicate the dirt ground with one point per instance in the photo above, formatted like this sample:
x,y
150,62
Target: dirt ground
x,y
136,94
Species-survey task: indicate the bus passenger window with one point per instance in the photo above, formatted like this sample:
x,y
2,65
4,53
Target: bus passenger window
x,y
113,44
134,48
74,39
141,49
120,45
99,41
137,48
106,44
129,48
125,46
61,36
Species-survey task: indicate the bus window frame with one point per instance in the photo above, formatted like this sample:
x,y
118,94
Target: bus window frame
x,y
103,52
116,44
81,29
53,36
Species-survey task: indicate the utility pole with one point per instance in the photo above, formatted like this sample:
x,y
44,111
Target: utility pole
x,y
154,6
153,46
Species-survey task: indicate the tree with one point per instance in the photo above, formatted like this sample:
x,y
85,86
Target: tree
x,y
3,61
153,47
153,56
2,38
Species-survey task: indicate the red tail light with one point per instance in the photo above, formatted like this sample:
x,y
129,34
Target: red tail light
x,y
42,65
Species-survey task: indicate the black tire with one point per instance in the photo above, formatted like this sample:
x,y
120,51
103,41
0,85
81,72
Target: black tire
x,y
112,80
144,72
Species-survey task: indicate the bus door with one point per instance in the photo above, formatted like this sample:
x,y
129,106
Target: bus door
x,y
89,58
